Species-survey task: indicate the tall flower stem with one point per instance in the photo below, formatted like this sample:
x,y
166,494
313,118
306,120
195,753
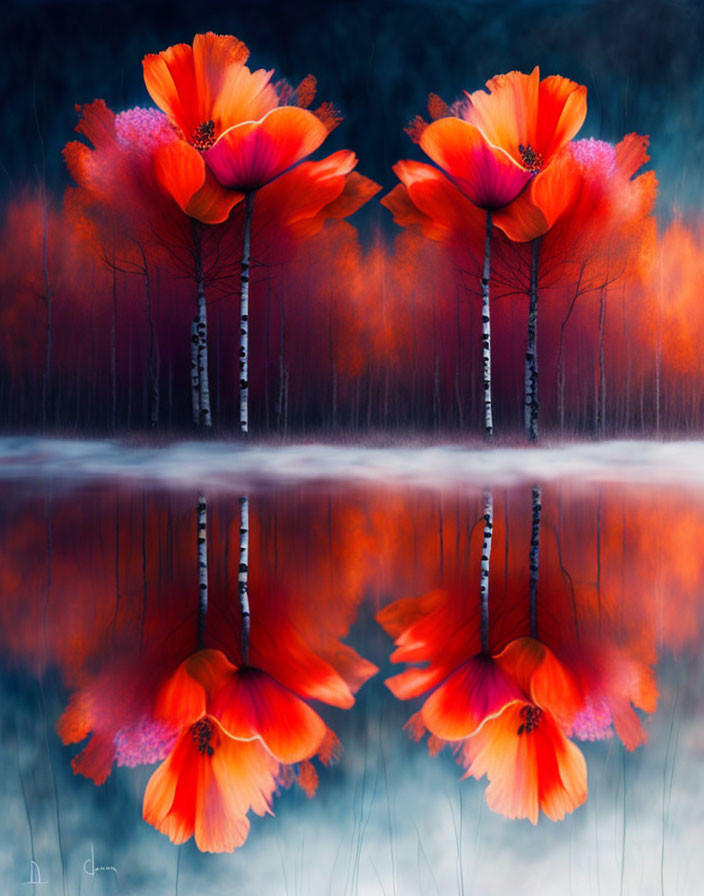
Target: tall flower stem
x,y
202,568
486,331
244,317
533,564
531,380
243,576
204,419
484,577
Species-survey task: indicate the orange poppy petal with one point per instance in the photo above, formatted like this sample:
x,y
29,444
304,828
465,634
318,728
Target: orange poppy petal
x,y
631,154
507,115
407,214
539,674
357,191
179,170
414,682
249,155
508,760
174,772
181,173
530,770
182,700
300,194
245,96
562,108
217,59
297,667
402,613
486,174
253,704
169,77
436,196
212,204
354,669
521,221
246,772
478,690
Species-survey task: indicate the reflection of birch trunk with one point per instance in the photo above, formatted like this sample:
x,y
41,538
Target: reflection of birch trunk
x,y
204,419
244,317
533,565
486,331
195,379
484,577
202,568
531,377
243,576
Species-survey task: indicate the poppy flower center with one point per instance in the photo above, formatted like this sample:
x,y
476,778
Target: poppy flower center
x,y
204,135
202,732
532,717
532,160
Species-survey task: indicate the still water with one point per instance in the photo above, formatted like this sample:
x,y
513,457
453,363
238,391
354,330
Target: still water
x,y
456,679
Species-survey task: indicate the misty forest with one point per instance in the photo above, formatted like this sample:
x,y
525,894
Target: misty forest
x,y
351,416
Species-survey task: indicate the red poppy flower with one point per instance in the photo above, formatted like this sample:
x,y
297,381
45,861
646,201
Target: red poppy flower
x,y
230,114
499,140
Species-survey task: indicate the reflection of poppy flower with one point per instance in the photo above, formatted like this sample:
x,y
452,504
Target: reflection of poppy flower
x,y
529,762
504,716
501,139
240,733
230,114
207,785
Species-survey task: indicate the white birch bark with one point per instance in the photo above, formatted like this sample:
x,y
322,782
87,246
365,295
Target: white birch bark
x,y
534,559
202,568
486,331
243,576
244,317
485,563
531,376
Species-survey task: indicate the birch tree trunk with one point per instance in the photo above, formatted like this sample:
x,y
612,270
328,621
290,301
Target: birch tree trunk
x,y
202,568
195,378
484,576
534,559
486,331
244,317
243,576
531,378
205,419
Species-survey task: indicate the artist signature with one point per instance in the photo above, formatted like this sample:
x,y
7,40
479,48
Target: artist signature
x,y
92,869
89,868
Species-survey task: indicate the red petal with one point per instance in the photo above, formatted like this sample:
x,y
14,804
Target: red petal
x,y
253,704
251,154
486,174
477,691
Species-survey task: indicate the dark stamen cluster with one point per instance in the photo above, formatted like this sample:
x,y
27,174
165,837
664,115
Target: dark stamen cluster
x,y
204,135
202,732
532,716
532,160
